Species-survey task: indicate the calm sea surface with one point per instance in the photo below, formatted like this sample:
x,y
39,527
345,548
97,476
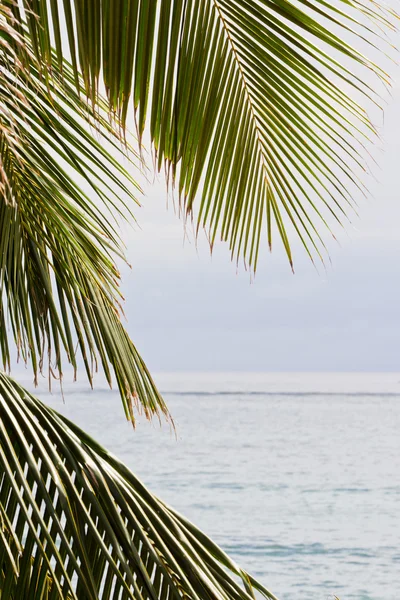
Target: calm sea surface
x,y
297,477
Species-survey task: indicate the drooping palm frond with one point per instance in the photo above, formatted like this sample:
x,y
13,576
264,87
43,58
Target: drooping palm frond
x,y
247,101
60,189
75,523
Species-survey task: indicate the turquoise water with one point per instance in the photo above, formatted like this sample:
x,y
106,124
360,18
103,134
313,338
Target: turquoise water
x,y
296,477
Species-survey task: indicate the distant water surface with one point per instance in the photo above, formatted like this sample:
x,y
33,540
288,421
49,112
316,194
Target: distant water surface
x,y
297,477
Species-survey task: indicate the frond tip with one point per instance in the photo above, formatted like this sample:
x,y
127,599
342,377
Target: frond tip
x,y
76,524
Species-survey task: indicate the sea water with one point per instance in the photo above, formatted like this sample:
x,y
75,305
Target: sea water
x,y
297,477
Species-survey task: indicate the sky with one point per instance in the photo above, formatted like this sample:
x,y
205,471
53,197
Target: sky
x,y
187,311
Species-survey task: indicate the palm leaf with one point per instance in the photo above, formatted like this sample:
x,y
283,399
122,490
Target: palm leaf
x,y
60,192
247,101
76,523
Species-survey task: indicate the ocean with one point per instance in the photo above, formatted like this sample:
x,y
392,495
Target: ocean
x,y
296,476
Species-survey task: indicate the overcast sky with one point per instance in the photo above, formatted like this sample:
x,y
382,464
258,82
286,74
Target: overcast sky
x,y
187,311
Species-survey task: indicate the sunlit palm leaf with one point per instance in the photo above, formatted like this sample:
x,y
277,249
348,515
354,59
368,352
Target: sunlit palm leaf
x,y
76,523
60,192
244,97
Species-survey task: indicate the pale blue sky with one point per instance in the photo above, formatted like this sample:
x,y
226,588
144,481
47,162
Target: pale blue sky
x,y
187,311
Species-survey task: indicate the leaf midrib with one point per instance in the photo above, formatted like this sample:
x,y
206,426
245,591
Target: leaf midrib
x,y
245,86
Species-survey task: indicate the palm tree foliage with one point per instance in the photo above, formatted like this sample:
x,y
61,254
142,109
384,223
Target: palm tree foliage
x,y
76,523
58,279
244,100
247,106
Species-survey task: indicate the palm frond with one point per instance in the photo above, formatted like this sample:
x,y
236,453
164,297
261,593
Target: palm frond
x,y
76,523
61,190
247,101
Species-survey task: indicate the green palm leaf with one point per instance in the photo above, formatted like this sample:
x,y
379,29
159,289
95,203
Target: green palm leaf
x,y
76,523
245,101
60,191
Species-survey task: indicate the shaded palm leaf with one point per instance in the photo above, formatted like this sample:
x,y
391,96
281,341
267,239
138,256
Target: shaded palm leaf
x,y
60,192
76,523
244,99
